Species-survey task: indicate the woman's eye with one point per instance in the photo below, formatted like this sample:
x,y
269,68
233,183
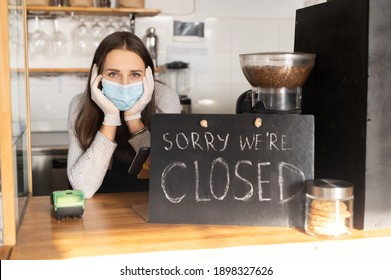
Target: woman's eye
x,y
113,74
135,75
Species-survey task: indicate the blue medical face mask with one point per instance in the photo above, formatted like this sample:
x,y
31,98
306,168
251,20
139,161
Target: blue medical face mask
x,y
123,96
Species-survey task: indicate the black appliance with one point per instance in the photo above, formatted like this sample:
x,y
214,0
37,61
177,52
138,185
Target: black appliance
x,y
178,72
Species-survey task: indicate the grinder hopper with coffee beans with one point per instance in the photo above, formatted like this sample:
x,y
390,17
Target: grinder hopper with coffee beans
x,y
276,79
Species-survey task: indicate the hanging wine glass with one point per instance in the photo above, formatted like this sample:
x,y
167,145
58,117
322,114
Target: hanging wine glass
x,y
110,27
97,33
124,24
81,38
39,41
13,26
59,40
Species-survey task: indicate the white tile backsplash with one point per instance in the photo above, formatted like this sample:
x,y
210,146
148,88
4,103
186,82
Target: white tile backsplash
x,y
247,8
255,35
286,35
49,99
217,70
173,7
231,27
218,34
212,99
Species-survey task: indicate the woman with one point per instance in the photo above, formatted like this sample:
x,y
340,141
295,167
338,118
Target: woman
x,y
110,121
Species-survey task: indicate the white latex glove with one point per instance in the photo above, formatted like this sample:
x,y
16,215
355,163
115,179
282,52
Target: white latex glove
x,y
148,84
111,112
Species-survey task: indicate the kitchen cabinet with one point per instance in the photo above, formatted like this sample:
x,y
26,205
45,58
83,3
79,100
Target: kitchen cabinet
x,y
53,11
15,151
49,151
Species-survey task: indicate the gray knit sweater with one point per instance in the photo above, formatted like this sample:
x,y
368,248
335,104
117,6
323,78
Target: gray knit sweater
x,y
86,169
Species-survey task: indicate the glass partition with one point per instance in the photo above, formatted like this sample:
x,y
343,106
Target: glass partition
x,y
16,175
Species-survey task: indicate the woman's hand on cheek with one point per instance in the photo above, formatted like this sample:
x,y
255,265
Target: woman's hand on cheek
x,y
111,112
148,84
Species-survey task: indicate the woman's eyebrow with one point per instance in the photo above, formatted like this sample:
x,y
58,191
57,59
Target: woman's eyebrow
x,y
136,71
130,71
111,70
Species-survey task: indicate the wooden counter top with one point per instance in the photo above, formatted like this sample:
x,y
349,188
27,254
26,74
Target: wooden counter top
x,y
111,225
5,252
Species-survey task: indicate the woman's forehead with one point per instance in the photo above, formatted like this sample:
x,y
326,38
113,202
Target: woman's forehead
x,y
123,60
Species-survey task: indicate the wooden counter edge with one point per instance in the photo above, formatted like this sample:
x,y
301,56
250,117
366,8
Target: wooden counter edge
x,y
136,235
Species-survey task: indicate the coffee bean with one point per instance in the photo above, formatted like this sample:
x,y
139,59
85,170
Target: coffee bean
x,y
277,76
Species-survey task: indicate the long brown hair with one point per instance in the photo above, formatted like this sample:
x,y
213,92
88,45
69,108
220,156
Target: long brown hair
x,y
90,116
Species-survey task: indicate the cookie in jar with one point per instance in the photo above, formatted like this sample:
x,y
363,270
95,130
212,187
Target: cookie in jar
x,y
329,208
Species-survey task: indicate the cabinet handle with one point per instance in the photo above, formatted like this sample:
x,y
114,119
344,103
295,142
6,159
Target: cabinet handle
x,y
59,163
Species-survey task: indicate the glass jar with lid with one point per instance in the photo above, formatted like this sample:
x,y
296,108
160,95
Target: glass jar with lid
x,y
329,208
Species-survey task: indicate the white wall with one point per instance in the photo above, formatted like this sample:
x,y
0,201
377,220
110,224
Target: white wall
x,y
216,80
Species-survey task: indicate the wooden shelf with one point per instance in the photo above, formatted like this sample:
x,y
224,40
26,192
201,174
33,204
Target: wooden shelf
x,y
58,70
66,70
53,10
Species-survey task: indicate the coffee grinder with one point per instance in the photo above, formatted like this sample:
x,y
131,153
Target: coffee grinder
x,y
276,79
275,103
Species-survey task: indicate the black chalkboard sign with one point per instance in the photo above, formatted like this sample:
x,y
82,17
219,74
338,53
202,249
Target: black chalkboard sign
x,y
242,169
